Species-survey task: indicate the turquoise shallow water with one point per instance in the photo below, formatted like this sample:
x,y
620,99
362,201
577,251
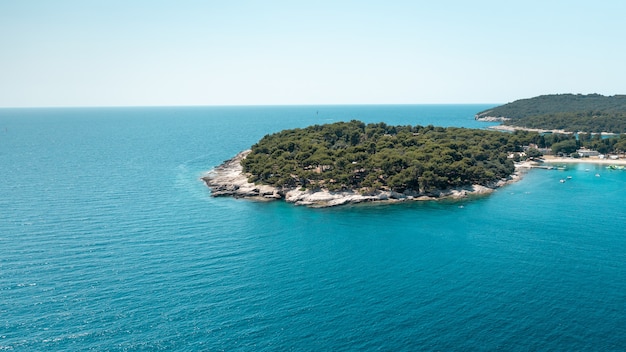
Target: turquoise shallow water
x,y
109,241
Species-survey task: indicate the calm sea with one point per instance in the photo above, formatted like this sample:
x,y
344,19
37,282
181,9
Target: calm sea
x,y
109,241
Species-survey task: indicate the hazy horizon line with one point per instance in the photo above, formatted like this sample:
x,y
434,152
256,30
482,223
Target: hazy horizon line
x,y
231,105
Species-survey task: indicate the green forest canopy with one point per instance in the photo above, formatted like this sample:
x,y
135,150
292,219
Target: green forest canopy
x,y
569,112
353,155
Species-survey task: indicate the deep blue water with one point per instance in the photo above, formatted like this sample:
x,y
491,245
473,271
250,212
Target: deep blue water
x,y
109,241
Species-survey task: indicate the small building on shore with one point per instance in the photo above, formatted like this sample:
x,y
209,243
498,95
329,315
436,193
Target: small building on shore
x,y
544,151
585,153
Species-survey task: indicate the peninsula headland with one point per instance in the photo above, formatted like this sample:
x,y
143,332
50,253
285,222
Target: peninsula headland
x,y
228,179
351,162
562,113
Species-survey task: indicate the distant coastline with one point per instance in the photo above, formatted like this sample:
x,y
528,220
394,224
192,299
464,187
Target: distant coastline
x,y
591,113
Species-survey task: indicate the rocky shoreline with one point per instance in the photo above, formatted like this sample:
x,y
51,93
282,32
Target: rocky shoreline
x,y
228,179
491,118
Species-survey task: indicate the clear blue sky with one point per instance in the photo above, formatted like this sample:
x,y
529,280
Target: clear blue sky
x,y
152,52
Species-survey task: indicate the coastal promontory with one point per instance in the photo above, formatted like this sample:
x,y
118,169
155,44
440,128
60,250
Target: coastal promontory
x,y
353,162
591,113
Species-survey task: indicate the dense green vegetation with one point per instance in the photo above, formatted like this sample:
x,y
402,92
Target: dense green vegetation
x,y
567,144
353,155
590,122
569,112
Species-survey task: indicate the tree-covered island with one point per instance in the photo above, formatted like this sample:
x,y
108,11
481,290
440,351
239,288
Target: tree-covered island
x,y
348,162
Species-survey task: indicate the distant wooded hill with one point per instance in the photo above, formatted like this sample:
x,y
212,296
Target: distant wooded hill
x,y
569,112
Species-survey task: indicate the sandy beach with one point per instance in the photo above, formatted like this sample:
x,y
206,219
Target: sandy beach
x,y
589,160
508,128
